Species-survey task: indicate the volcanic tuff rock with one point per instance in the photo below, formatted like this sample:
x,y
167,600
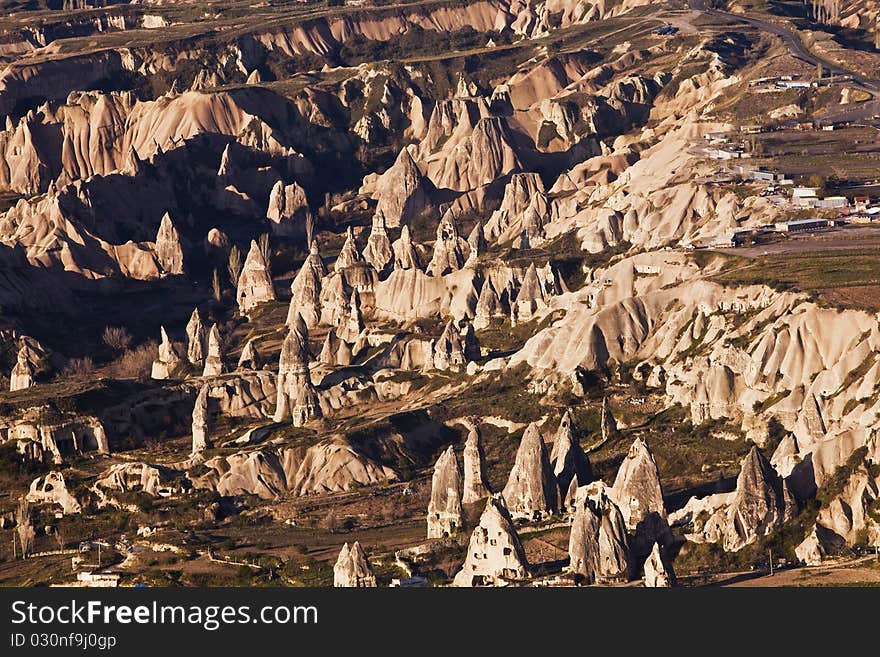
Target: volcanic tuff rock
x,y
476,485
378,251
761,503
449,349
638,493
169,251
444,507
200,421
296,395
567,458
155,480
597,545
250,357
402,191
352,570
495,554
349,255
489,306
352,325
525,207
168,358
531,491
22,375
196,339
305,291
449,248
406,255
288,212
214,360
52,489
658,573
254,282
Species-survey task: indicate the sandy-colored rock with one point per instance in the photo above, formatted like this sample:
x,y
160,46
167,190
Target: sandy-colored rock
x,y
495,555
402,191
52,489
288,213
305,299
200,418
196,340
638,493
352,570
531,491
168,359
169,250
449,248
489,306
250,357
353,324
567,457
406,255
214,365
597,544
349,255
254,282
444,507
22,375
658,572
296,394
476,485
378,251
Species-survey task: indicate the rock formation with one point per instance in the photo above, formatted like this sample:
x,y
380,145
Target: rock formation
x,y
196,340
658,573
22,375
352,326
52,489
476,485
254,282
402,191
296,395
476,243
349,255
352,570
168,360
406,256
494,555
761,503
531,492
448,248
567,458
378,251
489,306
214,360
597,545
335,352
200,421
444,508
449,349
638,493
250,357
305,291
288,212
169,251
529,299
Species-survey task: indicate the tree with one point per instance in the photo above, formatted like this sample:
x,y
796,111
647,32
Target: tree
x,y
234,265
215,285
263,243
25,526
817,181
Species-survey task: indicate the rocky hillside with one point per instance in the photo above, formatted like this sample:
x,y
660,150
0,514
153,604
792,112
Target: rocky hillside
x,y
297,285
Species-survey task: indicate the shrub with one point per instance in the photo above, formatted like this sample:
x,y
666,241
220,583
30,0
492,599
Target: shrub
x,y
116,337
134,363
79,368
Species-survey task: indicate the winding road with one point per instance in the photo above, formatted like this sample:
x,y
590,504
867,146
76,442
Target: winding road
x,y
792,40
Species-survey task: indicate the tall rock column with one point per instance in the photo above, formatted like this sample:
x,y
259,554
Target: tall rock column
x,y
352,570
200,421
254,282
476,486
296,395
169,251
168,358
22,375
531,492
214,360
495,554
444,508
196,339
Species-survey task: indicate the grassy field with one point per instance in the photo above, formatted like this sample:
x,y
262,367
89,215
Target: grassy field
x,y
839,277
